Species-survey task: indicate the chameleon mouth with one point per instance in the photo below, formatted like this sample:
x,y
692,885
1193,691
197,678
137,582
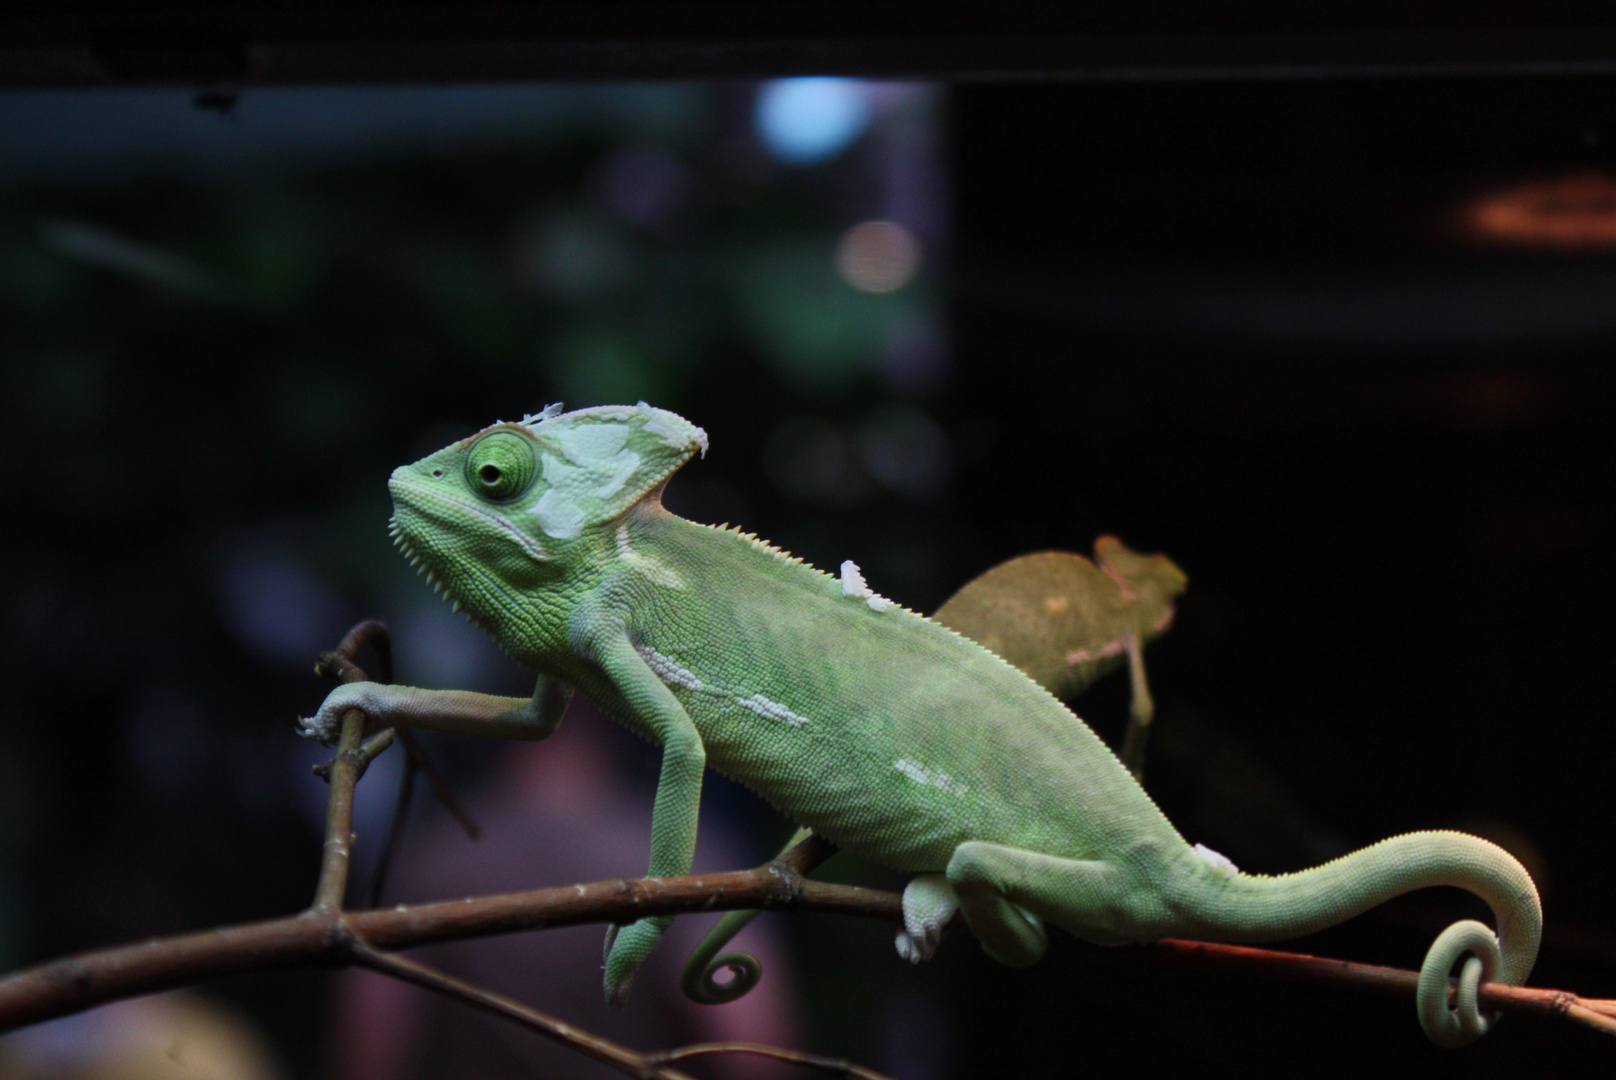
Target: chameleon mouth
x,y
419,508
451,512
400,541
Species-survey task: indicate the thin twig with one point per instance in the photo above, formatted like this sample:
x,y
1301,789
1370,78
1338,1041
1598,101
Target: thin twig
x,y
805,857
395,830
632,1062
339,662
835,1066
620,1057
343,771
434,779
1596,1013
1141,711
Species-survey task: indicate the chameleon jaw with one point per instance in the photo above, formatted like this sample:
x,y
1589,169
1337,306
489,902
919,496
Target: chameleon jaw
x,y
399,541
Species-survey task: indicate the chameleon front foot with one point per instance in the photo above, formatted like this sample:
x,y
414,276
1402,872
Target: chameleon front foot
x,y
325,724
626,950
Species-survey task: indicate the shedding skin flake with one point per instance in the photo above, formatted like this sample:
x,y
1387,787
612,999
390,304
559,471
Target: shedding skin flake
x,y
645,566
559,515
666,668
854,586
549,412
1221,864
656,423
773,710
930,777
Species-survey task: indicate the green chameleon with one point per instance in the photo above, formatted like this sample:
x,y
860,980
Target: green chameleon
x,y
890,735
1063,620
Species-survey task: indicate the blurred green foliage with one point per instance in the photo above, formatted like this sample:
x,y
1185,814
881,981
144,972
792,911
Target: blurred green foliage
x,y
210,361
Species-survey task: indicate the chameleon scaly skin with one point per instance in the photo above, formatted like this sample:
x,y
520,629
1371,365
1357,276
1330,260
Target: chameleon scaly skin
x,y
883,731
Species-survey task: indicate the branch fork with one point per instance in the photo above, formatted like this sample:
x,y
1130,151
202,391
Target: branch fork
x,y
332,935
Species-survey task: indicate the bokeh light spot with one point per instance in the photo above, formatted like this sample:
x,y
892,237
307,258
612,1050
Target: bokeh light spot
x,y
809,120
878,256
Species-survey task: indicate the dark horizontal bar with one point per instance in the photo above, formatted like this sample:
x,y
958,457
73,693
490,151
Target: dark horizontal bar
x,y
346,41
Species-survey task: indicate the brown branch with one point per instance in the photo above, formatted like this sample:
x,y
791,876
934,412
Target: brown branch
x,y
336,859
1596,1013
353,757
316,937
328,935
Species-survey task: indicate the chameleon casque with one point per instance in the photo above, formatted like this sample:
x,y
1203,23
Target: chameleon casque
x,y
883,731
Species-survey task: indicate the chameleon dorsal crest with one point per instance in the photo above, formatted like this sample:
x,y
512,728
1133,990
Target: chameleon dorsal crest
x,y
890,735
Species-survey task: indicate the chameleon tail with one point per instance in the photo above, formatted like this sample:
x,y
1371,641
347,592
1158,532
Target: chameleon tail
x,y
1252,907
698,981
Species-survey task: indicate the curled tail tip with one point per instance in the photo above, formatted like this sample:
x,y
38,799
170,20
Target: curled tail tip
x,y
701,985
1464,1022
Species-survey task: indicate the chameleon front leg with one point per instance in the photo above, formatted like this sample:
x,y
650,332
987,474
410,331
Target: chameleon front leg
x,y
463,712
678,799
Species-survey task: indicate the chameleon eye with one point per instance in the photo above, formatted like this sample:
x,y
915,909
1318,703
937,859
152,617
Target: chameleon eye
x,y
500,467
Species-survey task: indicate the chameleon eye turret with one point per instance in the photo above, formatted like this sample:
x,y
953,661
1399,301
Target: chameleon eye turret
x,y
886,733
500,467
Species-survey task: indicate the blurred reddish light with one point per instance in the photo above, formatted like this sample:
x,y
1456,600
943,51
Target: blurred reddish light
x,y
1572,212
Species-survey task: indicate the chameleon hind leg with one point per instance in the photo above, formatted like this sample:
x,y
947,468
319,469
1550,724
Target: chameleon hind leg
x,y
1007,894
929,903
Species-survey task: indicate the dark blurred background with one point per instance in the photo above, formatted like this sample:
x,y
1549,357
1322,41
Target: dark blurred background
x,y
1340,348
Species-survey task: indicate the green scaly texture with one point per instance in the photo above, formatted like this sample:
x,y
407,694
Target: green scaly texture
x,y
885,732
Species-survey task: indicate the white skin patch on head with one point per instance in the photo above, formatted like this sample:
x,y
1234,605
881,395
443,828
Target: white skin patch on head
x,y
1221,864
772,709
930,777
559,515
644,565
600,476
658,423
615,475
854,586
590,444
666,668
561,511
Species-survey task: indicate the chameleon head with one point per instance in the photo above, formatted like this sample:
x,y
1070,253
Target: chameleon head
x,y
514,505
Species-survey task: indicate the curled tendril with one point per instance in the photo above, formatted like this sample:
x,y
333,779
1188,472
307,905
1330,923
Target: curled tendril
x,y
701,984
1475,943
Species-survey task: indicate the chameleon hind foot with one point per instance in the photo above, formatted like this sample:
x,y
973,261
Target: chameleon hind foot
x,y
928,903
